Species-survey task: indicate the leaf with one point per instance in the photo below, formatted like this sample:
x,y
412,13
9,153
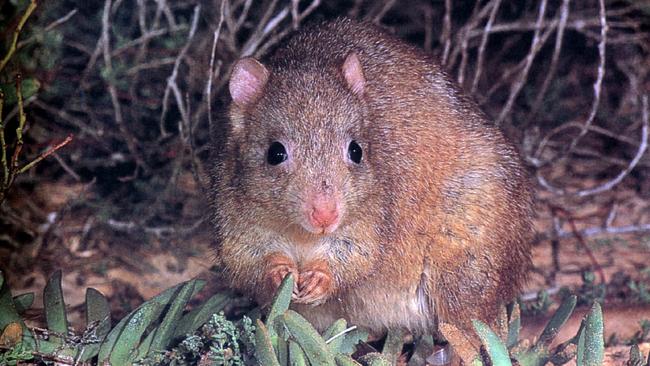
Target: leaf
x,y
23,302
581,348
393,345
375,359
280,304
98,311
335,330
281,346
556,322
201,314
98,317
563,353
11,335
29,87
308,338
514,325
636,359
126,335
165,331
263,348
345,360
352,339
591,343
145,346
55,315
8,314
495,348
296,355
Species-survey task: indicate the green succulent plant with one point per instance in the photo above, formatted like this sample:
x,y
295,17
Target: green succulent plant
x,y
162,332
149,329
503,346
286,338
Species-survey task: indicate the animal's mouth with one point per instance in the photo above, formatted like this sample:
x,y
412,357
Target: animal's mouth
x,y
320,230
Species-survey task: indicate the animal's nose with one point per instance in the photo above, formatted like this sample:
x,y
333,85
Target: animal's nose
x,y
324,215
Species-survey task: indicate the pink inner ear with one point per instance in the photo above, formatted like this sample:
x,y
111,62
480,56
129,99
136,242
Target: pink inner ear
x,y
353,73
247,81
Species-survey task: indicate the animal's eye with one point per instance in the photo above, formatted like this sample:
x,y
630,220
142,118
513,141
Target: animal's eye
x,y
276,154
354,152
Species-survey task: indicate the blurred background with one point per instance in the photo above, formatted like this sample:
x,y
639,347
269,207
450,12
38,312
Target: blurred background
x,y
138,83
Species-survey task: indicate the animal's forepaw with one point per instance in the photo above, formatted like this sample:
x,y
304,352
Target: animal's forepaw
x,y
315,285
278,268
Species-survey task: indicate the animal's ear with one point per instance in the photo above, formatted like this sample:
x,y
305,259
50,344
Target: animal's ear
x,y
247,81
353,73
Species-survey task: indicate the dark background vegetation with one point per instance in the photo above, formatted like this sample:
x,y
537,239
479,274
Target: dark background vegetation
x,y
139,82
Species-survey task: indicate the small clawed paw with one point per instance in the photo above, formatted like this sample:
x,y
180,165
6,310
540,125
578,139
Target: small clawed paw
x,y
314,287
278,272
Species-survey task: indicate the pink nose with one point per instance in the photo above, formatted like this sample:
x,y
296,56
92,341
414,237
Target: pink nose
x,y
323,216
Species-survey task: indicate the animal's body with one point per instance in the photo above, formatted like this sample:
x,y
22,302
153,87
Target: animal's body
x,y
349,159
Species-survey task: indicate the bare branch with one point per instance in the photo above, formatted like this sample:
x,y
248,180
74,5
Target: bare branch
x,y
559,37
211,72
643,146
171,80
49,27
481,49
45,154
523,76
445,37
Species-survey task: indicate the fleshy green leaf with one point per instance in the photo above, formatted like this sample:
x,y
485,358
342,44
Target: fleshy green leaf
x,y
55,315
98,312
495,348
263,347
296,355
636,359
279,305
201,314
98,317
145,346
591,343
558,319
160,337
352,338
308,338
514,325
345,360
281,347
8,314
376,359
393,345
165,331
334,330
29,87
23,302
125,336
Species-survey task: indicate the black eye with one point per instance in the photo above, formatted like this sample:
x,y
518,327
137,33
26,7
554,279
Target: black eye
x,y
354,152
276,154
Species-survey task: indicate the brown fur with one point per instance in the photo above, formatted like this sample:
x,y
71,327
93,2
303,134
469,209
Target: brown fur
x,y
434,221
